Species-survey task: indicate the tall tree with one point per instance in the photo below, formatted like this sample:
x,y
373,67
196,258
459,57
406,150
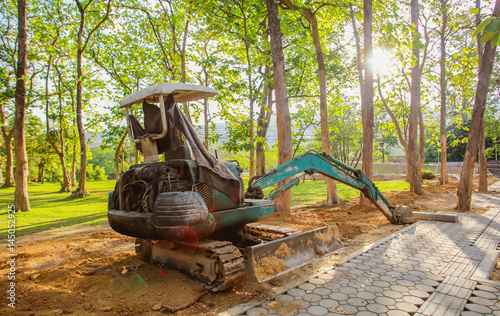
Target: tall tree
x,y
8,50
397,115
7,135
263,122
483,172
367,98
421,123
491,28
52,39
242,23
247,26
61,149
51,42
310,16
282,203
442,78
21,200
82,43
405,93
415,183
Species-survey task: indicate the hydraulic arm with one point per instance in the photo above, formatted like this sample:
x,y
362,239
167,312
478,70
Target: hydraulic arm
x,y
312,162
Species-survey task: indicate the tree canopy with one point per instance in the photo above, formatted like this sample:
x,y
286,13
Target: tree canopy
x,y
83,57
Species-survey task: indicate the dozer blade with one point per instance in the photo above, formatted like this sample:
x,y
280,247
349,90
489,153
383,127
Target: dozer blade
x,y
272,259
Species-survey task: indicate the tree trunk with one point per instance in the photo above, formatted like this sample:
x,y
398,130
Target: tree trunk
x,y
251,171
251,162
421,147
81,190
185,105
73,167
261,159
123,161
415,183
263,123
137,157
483,171
9,166
465,185
117,155
41,172
478,37
1,167
400,132
367,99
282,203
205,122
7,137
65,184
442,76
407,157
21,200
331,188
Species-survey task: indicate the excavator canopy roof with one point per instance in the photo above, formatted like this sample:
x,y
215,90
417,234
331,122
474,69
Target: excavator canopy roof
x,y
183,92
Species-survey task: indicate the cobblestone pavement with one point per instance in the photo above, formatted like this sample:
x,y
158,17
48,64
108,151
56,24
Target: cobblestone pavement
x,y
430,268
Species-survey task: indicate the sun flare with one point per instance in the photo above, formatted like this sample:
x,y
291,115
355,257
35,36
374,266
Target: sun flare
x,y
381,61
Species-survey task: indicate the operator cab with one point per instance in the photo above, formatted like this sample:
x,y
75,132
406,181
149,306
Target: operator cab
x,y
151,138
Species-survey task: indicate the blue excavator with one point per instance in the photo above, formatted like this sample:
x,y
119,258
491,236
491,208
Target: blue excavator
x,y
188,210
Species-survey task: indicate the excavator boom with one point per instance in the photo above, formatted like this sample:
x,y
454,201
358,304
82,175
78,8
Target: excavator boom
x,y
313,162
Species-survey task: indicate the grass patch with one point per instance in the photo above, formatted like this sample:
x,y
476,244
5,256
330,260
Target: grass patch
x,y
53,209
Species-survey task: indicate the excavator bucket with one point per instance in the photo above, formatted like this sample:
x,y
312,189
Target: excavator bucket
x,y
271,259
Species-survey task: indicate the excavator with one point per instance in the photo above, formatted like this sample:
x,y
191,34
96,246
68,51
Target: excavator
x,y
189,211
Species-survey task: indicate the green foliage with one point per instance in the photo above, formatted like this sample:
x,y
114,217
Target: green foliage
x,y
104,158
457,135
384,141
238,133
96,172
346,137
490,29
305,118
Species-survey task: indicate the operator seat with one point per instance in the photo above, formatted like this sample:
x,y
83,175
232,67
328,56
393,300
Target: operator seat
x,y
152,128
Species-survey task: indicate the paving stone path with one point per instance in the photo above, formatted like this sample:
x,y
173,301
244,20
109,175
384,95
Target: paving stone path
x,y
429,268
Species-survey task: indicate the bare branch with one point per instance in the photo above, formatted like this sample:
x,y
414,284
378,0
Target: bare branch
x,y
89,36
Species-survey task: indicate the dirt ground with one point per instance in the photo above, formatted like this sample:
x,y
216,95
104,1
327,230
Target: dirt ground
x,y
99,273
495,275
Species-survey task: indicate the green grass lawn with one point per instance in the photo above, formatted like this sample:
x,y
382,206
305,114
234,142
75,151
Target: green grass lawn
x,y
311,191
52,209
